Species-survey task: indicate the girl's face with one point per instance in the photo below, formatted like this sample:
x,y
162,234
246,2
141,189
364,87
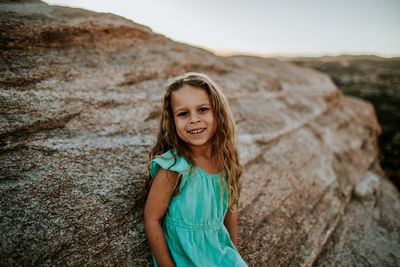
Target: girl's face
x,y
193,116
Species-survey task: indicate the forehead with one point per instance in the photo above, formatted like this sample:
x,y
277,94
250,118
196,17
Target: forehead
x,y
189,96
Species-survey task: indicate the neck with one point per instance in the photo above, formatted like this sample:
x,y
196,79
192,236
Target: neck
x,y
201,151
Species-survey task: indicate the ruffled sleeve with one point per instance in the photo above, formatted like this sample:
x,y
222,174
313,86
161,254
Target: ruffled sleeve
x,y
173,162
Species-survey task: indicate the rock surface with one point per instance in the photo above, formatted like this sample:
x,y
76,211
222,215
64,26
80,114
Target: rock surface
x,y
79,111
376,80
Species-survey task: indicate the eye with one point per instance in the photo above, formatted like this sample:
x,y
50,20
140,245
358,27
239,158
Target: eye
x,y
182,114
203,109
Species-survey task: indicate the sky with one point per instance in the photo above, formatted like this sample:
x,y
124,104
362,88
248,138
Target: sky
x,y
267,27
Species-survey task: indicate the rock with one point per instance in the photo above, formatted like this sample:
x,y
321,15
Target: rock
x,y
368,234
368,186
376,80
80,95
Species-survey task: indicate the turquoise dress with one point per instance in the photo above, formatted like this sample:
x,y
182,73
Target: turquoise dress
x,y
194,222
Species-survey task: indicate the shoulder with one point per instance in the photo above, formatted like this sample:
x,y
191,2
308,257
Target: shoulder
x,y
162,173
169,160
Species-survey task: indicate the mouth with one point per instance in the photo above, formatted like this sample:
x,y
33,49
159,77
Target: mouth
x,y
197,131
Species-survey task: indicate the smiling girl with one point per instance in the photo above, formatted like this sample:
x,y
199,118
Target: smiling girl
x,y
190,215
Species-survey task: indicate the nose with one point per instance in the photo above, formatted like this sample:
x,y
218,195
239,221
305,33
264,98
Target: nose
x,y
194,118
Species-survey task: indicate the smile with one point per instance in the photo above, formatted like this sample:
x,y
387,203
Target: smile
x,y
196,131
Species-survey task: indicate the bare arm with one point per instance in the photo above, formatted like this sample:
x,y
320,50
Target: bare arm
x,y
230,222
156,205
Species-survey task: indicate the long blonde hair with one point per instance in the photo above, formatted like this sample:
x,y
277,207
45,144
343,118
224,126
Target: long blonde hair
x,y
224,147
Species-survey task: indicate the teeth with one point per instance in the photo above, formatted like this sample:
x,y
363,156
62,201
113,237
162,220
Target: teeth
x,y
197,131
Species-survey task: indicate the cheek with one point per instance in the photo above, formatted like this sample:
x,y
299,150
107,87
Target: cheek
x,y
212,120
179,125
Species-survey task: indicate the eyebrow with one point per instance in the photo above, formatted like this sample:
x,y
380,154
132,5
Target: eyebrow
x,y
180,109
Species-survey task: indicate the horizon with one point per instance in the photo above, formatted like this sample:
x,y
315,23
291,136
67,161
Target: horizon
x,y
267,28
288,56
